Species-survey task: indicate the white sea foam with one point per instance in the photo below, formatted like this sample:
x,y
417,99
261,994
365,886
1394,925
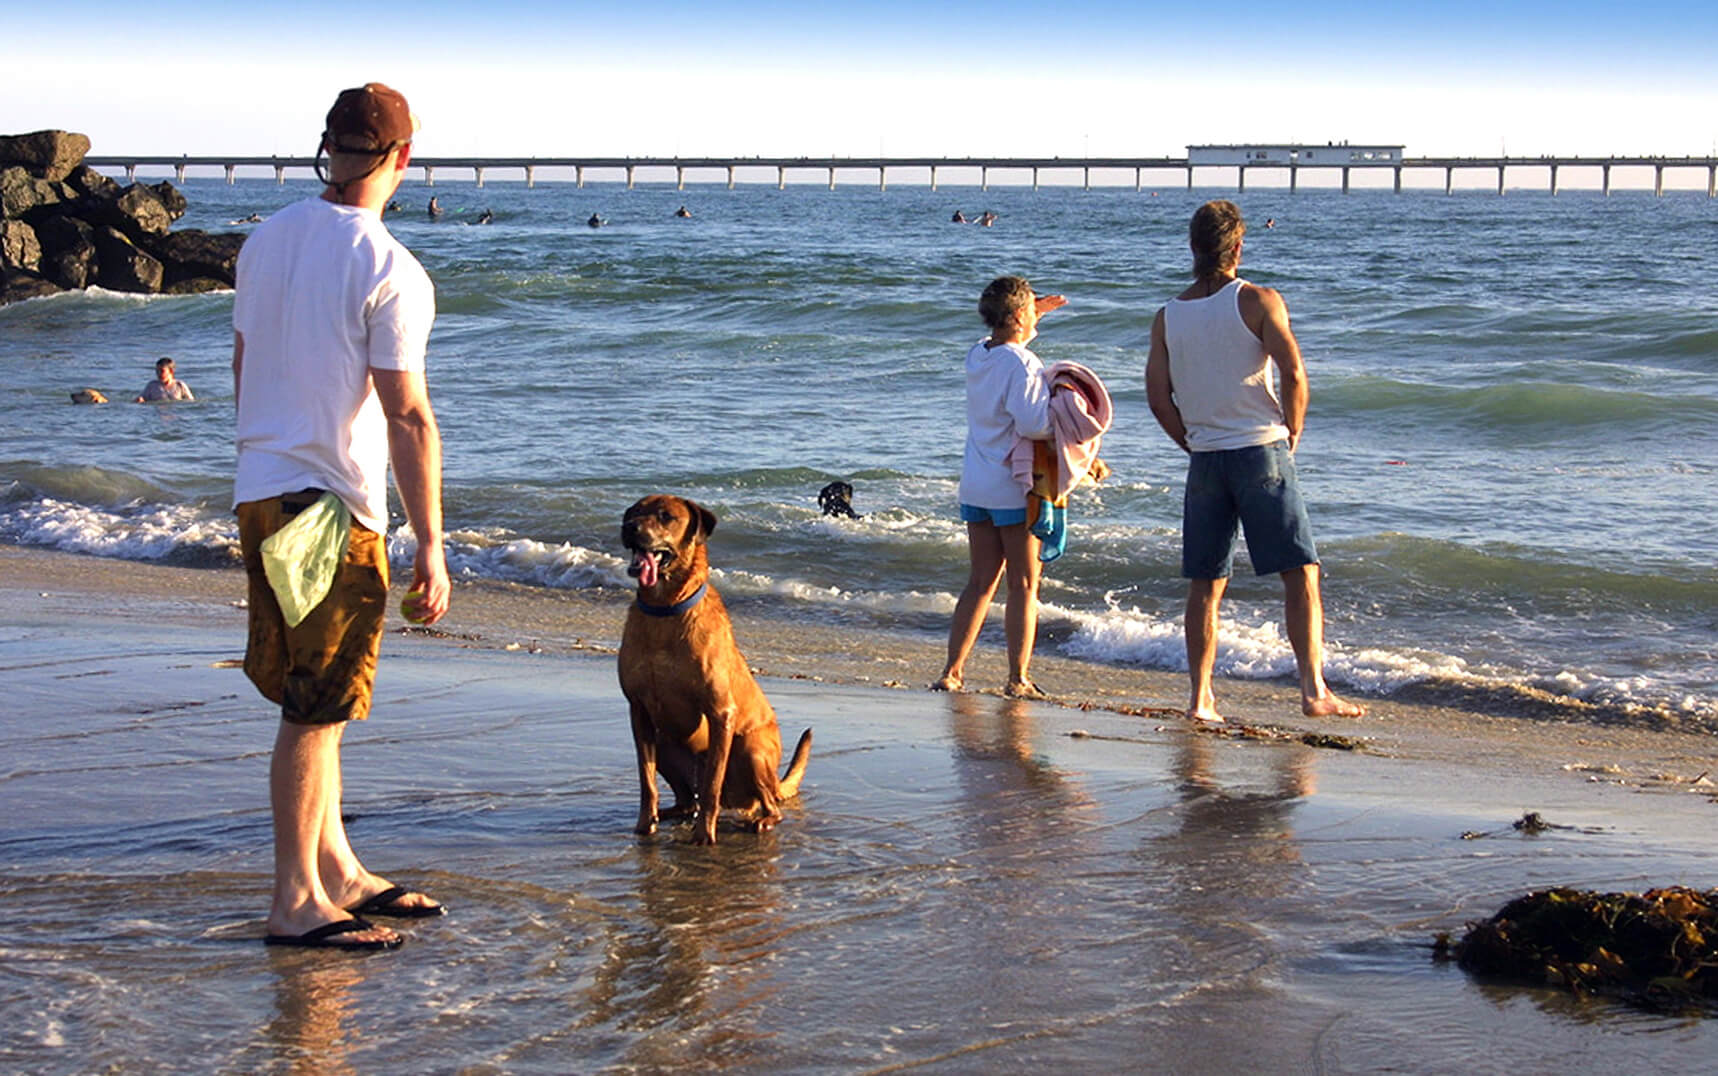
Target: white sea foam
x,y
140,532
1251,644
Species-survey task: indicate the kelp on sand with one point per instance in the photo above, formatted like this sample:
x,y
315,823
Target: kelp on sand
x,y
1658,948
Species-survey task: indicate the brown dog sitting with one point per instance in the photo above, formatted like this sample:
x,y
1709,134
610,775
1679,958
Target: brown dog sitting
x,y
698,716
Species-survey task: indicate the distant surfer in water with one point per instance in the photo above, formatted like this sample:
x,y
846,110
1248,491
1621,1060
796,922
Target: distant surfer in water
x,y
959,218
486,217
596,221
683,213
434,208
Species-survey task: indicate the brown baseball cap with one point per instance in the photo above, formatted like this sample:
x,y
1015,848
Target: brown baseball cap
x,y
369,119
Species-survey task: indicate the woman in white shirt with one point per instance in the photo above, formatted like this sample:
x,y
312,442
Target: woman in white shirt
x,y
1006,399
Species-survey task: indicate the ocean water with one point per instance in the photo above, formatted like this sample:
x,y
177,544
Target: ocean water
x,y
1510,455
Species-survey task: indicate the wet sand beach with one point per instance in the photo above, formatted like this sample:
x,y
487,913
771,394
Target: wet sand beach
x,y
966,883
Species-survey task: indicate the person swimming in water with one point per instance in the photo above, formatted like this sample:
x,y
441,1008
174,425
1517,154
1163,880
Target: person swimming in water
x,y
959,218
486,217
683,213
434,208
596,221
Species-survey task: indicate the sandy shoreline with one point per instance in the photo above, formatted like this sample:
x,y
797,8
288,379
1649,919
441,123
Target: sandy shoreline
x,y
505,616
965,882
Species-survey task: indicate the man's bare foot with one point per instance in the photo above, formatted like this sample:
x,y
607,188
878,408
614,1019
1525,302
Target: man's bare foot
x,y
1024,689
1206,715
1330,705
305,929
947,683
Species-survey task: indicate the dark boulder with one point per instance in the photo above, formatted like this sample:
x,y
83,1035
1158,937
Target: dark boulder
x,y
22,194
123,266
141,211
170,198
16,286
192,253
88,183
196,285
68,252
19,246
50,155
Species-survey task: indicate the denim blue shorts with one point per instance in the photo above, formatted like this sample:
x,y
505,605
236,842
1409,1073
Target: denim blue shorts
x,y
1002,517
1255,488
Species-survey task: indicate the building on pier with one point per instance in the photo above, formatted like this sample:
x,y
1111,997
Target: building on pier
x,y
1286,154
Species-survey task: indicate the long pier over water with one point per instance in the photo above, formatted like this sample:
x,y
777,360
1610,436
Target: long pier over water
x,y
718,168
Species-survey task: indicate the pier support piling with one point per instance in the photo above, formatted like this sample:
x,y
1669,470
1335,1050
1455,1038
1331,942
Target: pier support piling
x,y
1500,170
280,175
831,177
631,170
1607,179
230,171
429,176
679,178
1398,180
1136,182
530,176
882,178
1345,181
984,178
1241,180
1034,178
781,178
478,170
933,177
1553,181
1294,178
179,173
1658,180
730,177
1711,180
1449,180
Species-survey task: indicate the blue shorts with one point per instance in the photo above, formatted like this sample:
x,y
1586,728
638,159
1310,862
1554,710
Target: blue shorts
x,y
1001,517
1254,487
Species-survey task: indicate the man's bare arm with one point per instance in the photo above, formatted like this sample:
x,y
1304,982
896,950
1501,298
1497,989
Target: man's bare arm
x,y
1159,391
1266,314
414,450
238,364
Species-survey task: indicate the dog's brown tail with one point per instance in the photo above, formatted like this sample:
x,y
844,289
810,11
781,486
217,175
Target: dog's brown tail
x,y
796,766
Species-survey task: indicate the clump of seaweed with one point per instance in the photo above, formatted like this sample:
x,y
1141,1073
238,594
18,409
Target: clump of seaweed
x,y
1658,948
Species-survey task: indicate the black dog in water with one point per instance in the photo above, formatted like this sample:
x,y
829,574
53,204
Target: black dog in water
x,y
835,500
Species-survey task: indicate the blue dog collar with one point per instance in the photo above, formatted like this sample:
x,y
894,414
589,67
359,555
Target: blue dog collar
x,y
678,607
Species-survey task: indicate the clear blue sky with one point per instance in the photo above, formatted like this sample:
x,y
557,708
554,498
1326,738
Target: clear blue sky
x,y
530,77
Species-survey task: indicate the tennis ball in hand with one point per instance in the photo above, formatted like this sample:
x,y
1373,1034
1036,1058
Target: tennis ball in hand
x,y
411,606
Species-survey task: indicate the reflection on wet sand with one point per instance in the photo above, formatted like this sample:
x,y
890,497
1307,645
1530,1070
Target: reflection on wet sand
x,y
691,980
1229,867
310,1034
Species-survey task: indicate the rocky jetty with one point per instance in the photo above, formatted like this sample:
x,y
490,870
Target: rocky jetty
x,y
64,226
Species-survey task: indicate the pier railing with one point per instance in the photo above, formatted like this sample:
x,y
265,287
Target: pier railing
x,y
730,167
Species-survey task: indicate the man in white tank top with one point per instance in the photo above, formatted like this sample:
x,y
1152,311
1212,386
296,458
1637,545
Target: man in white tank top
x,y
1208,379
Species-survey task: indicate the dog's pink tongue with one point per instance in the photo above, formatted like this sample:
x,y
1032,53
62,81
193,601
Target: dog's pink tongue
x,y
646,565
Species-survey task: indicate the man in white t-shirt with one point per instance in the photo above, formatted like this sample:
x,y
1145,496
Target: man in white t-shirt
x,y
331,321
1208,381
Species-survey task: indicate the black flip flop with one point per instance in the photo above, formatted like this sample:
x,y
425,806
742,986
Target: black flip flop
x,y
320,938
387,904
